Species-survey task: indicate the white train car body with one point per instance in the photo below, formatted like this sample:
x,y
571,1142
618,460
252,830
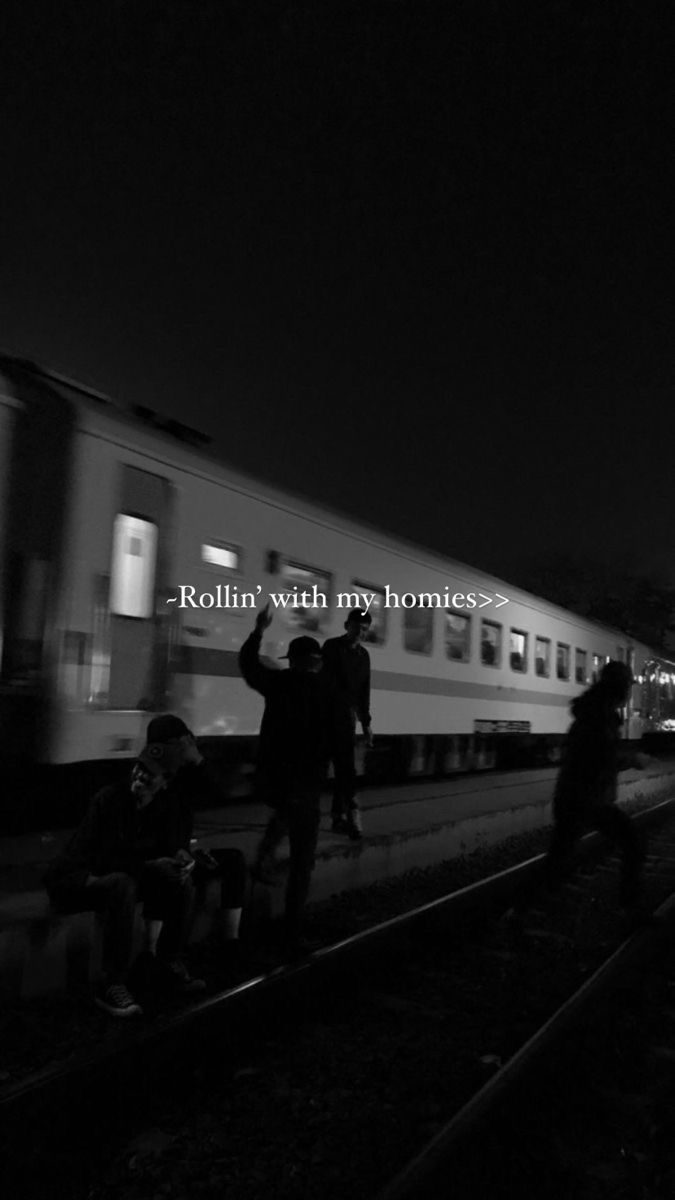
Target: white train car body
x,y
140,522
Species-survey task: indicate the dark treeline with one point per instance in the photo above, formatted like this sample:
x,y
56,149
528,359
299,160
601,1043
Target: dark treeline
x,y
641,606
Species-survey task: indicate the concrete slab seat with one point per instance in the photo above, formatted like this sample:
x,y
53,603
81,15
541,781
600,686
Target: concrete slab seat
x,y
43,952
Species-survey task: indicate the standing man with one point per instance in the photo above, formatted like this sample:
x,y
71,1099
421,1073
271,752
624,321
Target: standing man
x,y
346,663
292,759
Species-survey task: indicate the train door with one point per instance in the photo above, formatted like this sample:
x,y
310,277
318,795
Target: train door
x,y
138,572
36,490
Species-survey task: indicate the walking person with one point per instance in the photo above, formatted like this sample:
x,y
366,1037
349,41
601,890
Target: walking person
x,y
346,662
292,759
586,789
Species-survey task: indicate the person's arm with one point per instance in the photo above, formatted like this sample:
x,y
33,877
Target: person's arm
x,y
78,861
256,675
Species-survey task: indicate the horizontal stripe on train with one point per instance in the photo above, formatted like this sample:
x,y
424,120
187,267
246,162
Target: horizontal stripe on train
x,y
200,660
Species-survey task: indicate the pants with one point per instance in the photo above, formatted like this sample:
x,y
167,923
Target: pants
x,y
298,818
614,824
231,872
115,896
344,769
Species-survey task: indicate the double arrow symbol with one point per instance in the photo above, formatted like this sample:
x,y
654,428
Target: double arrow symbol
x,y
488,600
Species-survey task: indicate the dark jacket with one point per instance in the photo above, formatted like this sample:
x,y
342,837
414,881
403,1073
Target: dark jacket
x,y
593,755
115,835
296,726
348,667
194,786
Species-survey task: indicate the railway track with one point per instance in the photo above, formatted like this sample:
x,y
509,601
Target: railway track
x,y
359,1071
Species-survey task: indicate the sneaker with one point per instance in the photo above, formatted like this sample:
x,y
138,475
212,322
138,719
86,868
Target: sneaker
x,y
179,978
118,1001
354,825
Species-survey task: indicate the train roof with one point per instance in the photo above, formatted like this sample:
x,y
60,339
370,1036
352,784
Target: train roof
x,y
189,450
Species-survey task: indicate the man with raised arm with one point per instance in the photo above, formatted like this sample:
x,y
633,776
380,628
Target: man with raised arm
x,y
295,735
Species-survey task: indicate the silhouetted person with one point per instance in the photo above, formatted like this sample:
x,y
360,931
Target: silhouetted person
x,y
194,785
346,663
586,789
292,759
130,846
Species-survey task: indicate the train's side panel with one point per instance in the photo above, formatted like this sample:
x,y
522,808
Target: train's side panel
x,y
114,669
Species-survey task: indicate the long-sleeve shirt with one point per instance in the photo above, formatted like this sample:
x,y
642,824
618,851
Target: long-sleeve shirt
x,y
349,668
297,722
593,756
116,835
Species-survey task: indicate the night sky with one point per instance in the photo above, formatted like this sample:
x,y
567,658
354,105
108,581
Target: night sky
x,y
414,260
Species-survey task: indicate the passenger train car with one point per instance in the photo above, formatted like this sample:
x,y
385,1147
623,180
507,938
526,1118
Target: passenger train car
x,y
131,561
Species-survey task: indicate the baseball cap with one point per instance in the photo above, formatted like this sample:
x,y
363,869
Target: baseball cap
x,y
166,728
159,759
301,647
360,615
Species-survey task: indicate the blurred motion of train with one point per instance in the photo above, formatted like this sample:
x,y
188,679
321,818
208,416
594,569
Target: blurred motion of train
x,y
110,517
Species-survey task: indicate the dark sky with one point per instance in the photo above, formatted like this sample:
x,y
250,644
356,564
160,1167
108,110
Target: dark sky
x,y
412,259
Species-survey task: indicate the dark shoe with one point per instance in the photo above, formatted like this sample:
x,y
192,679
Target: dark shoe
x,y
178,978
118,1001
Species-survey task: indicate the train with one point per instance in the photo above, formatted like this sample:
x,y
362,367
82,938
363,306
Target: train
x,y
132,559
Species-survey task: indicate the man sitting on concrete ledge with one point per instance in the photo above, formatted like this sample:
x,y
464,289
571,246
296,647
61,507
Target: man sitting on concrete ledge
x,y
131,846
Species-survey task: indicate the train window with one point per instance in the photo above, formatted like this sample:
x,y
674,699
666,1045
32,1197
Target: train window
x,y
222,555
542,657
377,633
518,650
580,666
598,664
457,636
418,630
491,644
309,592
619,653
132,574
562,661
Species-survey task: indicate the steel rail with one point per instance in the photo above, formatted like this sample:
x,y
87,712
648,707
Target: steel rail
x,y
235,1007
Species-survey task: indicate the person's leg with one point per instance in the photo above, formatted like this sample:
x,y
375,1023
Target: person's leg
x,y
114,896
169,902
567,830
232,872
618,826
304,817
265,862
345,808
551,872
